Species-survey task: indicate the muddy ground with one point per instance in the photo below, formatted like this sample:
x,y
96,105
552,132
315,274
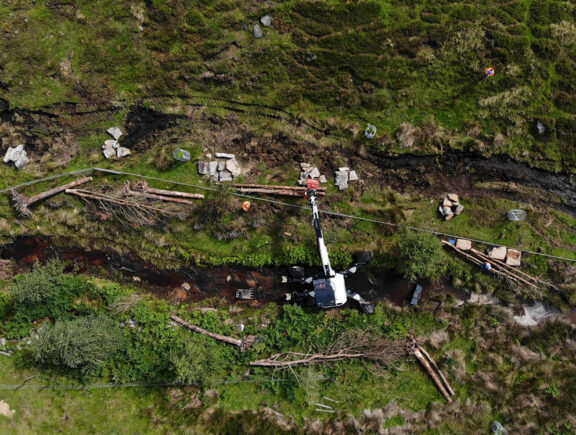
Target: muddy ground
x,y
146,128
195,283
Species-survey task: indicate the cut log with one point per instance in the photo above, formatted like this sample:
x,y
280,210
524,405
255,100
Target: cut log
x,y
126,191
275,189
243,344
142,186
440,374
275,186
413,348
21,203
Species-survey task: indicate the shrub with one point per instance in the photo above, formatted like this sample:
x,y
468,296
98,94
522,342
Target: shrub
x,y
545,48
48,292
420,255
82,345
464,12
200,361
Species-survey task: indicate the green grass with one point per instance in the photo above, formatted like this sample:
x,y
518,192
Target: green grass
x,y
376,61
122,410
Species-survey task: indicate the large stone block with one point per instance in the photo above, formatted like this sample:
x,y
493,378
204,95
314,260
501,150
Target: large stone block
x,y
115,132
203,168
233,167
497,253
212,167
464,244
513,257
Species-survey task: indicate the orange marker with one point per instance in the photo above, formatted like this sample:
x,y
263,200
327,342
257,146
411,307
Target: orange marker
x,y
246,206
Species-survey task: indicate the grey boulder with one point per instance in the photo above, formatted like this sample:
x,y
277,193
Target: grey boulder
x,y
266,20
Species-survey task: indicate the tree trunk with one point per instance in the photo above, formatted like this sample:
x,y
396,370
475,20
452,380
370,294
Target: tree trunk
x,y
314,358
142,186
21,202
440,374
432,374
242,344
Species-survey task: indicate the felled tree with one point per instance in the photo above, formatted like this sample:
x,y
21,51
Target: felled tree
x,y
351,344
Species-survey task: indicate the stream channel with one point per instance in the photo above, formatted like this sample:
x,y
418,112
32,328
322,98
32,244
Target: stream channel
x,y
195,283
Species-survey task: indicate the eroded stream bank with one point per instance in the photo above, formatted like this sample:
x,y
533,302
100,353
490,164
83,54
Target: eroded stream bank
x,y
464,171
212,281
195,283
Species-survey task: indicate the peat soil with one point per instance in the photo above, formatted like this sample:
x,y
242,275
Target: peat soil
x,y
461,171
213,281
196,283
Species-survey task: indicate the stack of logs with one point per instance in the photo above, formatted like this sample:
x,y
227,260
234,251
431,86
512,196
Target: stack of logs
x,y
414,348
275,190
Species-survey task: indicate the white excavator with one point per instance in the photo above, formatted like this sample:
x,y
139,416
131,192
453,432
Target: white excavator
x,y
328,287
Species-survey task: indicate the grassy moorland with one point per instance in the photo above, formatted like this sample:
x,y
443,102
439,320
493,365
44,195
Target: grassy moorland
x,y
499,370
408,67
190,74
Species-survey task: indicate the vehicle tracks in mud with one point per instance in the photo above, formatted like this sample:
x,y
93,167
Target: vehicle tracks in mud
x,y
465,172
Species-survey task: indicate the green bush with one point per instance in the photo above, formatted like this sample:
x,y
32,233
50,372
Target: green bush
x,y
82,346
420,255
545,48
464,12
49,292
201,361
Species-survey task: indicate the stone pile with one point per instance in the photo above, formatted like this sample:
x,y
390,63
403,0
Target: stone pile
x,y
266,21
17,155
343,176
112,147
450,206
310,172
224,169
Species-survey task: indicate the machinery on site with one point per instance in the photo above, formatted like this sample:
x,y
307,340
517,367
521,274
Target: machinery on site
x,y
328,288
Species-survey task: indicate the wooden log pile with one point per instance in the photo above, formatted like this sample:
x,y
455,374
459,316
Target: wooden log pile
x,y
275,189
414,348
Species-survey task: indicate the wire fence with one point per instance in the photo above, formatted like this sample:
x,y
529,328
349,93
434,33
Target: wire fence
x,y
281,203
41,387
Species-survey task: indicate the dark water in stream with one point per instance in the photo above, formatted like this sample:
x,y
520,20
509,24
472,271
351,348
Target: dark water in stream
x,y
221,281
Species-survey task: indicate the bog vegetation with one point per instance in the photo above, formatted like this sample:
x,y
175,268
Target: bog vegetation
x,y
190,74
499,370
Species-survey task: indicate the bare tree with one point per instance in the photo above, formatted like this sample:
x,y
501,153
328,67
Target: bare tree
x,y
133,210
21,202
351,344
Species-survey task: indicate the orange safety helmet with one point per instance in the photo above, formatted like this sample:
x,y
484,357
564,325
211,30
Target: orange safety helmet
x,y
246,206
